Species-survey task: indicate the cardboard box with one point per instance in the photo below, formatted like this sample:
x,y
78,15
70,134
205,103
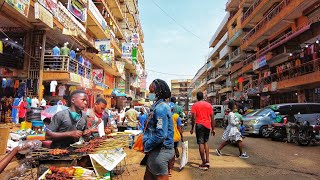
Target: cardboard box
x,y
4,136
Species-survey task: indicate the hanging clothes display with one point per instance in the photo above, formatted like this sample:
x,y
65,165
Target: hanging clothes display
x,y
53,86
62,89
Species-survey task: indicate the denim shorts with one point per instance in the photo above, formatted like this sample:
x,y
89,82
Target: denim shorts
x,y
158,161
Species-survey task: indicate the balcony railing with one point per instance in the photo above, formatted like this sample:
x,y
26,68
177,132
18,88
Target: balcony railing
x,y
250,59
66,64
250,10
235,53
266,19
306,68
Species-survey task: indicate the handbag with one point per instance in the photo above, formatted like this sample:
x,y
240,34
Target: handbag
x,y
138,145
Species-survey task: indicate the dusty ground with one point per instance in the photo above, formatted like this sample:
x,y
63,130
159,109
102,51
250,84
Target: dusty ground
x,y
268,160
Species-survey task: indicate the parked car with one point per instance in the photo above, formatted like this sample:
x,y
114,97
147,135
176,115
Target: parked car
x,y
258,122
219,114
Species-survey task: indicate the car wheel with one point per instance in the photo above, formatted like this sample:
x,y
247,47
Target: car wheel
x,y
264,132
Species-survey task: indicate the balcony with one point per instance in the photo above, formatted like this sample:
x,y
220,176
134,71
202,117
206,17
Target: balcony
x,y
209,66
236,67
109,67
96,23
211,80
115,7
255,12
60,67
222,29
200,74
235,40
218,62
212,94
225,89
224,52
286,11
232,5
219,46
236,56
140,57
307,74
117,46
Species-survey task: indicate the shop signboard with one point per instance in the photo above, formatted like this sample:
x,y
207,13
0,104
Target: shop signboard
x,y
120,66
50,5
6,72
143,84
75,78
265,88
1,47
103,46
126,51
134,55
97,75
274,86
262,61
21,6
135,39
122,86
43,15
96,13
78,10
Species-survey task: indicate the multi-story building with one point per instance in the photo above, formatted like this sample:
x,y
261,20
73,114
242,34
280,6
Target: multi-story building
x,y
277,61
217,65
199,83
75,50
180,89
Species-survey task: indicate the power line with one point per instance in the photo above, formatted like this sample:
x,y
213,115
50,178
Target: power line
x,y
167,73
167,14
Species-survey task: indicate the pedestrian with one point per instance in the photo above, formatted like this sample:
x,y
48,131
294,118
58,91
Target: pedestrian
x,y
158,137
142,119
202,118
232,133
177,136
43,103
176,110
132,117
95,117
23,110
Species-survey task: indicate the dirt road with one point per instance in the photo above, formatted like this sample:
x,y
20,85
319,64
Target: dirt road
x,y
268,160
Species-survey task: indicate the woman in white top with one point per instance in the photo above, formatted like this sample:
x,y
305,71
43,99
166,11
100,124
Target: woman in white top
x,y
232,133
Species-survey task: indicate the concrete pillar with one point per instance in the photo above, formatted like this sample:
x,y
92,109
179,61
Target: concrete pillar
x,y
40,93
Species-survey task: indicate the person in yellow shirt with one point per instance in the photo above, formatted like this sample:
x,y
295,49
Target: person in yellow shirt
x,y
132,117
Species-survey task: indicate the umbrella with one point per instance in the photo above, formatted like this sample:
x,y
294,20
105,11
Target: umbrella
x,y
52,110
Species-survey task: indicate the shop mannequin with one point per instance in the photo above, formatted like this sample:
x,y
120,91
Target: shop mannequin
x,y
65,51
56,51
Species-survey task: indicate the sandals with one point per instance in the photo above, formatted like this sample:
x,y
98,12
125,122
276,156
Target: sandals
x,y
207,164
203,167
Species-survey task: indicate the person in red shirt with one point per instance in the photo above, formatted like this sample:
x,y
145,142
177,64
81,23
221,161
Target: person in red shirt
x,y
23,110
202,118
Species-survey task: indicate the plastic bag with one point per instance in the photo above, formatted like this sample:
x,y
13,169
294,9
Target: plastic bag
x,y
184,156
26,146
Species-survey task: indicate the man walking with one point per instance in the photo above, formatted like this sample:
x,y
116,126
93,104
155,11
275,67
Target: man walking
x,y
202,118
133,123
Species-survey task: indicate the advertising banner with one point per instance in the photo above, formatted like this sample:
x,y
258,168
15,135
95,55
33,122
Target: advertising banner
x,y
262,61
20,5
274,86
134,55
120,66
50,5
143,84
75,78
126,50
135,39
78,10
43,15
103,46
122,86
97,75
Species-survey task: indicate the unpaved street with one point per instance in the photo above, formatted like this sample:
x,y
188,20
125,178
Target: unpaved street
x,y
268,160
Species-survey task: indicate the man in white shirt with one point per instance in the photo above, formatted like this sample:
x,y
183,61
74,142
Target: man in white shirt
x,y
43,103
34,102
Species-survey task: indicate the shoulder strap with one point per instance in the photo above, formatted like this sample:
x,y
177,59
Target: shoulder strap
x,y
150,116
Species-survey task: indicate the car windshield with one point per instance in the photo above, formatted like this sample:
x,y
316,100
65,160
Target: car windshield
x,y
252,113
263,112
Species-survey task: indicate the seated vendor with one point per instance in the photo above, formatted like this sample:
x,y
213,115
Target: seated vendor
x,y
67,126
97,115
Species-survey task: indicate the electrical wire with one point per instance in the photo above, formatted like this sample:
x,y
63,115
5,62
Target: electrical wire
x,y
159,72
167,14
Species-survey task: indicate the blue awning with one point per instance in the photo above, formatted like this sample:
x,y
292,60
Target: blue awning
x,y
118,93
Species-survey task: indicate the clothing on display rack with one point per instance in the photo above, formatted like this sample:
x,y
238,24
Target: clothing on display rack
x,y
53,86
21,92
34,102
62,89
65,51
56,51
35,86
73,54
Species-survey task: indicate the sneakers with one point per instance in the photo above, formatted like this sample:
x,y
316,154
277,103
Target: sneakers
x,y
218,152
203,167
244,156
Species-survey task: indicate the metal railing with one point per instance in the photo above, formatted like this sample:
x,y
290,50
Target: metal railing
x,y
266,19
235,54
250,10
293,72
66,64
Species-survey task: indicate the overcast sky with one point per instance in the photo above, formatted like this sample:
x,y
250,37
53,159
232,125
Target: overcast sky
x,y
168,47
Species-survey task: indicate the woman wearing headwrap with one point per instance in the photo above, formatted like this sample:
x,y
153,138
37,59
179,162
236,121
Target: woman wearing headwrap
x,y
158,137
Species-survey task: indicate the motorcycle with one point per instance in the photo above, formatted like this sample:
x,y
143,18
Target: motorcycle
x,y
277,131
307,133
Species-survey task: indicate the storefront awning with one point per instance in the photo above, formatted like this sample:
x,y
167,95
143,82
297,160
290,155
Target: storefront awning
x,y
107,92
118,93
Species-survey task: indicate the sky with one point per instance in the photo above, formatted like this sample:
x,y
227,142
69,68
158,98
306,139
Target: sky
x,y
168,47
